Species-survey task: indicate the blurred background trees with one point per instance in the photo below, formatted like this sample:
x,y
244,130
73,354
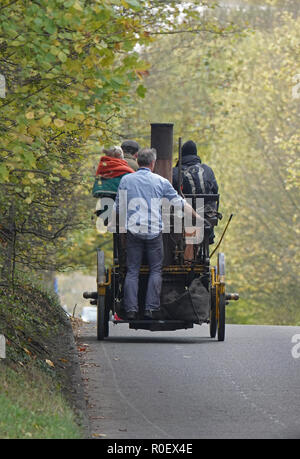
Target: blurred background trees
x,y
84,74
68,67
232,93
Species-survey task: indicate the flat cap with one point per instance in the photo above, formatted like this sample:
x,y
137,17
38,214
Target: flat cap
x,y
130,144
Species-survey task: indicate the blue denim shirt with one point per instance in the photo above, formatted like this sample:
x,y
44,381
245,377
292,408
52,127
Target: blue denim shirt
x,y
144,191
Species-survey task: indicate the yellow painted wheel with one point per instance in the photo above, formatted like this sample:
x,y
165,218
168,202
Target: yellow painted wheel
x,y
220,297
102,310
101,329
213,312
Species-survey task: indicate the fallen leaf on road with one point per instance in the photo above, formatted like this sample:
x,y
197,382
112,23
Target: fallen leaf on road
x,y
99,435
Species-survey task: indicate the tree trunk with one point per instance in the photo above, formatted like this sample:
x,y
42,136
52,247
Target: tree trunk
x,y
8,269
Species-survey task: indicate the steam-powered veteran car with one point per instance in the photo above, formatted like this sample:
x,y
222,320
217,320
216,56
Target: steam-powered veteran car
x,y
193,291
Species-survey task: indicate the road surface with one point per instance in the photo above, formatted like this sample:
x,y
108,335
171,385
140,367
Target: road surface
x,y
184,385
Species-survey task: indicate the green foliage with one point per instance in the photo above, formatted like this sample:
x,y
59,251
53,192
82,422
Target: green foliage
x,y
257,151
233,96
33,375
80,249
30,319
68,68
76,81
67,71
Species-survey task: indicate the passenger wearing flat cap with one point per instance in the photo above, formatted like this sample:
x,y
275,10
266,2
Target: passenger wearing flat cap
x,y
130,149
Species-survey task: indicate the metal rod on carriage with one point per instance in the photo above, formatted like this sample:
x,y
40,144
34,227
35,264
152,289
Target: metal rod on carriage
x,y
223,234
180,166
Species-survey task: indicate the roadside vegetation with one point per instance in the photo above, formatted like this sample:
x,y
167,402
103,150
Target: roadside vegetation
x,y
233,91
33,377
68,71
32,407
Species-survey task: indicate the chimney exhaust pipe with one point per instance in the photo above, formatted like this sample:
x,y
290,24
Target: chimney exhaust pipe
x,y
162,141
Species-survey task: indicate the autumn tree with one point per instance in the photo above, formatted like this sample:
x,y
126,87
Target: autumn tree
x,y
233,94
68,67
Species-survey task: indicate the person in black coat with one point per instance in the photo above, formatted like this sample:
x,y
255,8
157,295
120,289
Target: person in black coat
x,y
197,178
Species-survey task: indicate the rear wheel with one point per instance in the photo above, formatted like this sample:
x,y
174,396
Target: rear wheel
x,y
213,311
102,309
101,322
221,301
107,309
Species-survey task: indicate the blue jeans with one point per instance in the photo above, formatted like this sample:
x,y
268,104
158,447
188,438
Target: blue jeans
x,y
154,252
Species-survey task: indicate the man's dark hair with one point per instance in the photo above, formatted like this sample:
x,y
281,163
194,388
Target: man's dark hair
x,y
130,146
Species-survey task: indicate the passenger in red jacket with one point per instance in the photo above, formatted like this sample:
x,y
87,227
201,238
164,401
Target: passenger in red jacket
x,y
111,168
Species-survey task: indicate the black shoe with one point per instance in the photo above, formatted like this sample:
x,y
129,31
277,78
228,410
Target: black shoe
x,y
131,315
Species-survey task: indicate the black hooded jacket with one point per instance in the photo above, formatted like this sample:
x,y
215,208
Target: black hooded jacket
x,y
197,178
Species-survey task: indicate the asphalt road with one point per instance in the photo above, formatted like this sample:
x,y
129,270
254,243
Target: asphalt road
x,y
183,385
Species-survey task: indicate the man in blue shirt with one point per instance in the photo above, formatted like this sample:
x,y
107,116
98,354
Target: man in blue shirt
x,y
140,195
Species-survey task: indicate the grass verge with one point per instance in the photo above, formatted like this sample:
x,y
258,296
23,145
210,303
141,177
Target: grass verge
x,y
32,407
34,377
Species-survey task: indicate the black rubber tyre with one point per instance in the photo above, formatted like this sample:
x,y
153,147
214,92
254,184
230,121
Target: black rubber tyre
x,y
102,310
107,310
102,324
221,321
213,312
222,301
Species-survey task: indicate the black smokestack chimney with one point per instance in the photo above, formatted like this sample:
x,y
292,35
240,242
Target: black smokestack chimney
x,y
162,141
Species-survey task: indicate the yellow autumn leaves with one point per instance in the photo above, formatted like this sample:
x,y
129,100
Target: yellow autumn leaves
x,y
46,120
